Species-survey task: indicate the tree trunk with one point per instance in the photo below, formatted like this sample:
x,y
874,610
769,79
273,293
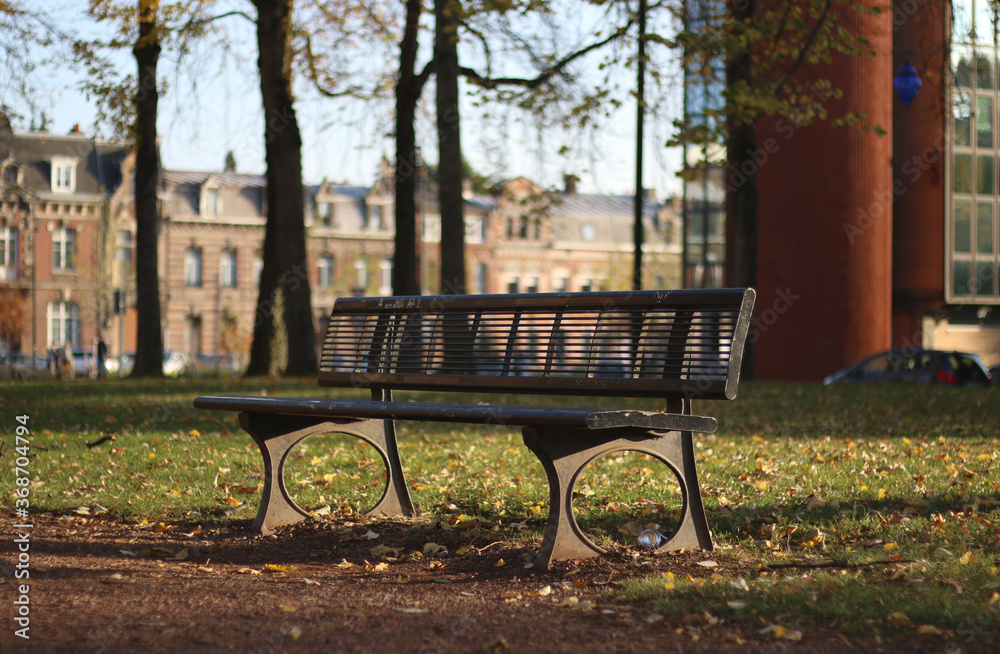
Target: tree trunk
x,y
405,269
149,335
741,185
449,148
285,231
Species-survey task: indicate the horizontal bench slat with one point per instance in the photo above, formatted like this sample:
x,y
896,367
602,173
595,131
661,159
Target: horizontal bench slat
x,y
486,414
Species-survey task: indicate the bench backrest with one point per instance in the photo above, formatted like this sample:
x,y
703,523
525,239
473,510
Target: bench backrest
x,y
670,344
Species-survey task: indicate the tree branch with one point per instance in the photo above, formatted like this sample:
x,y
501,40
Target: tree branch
x,y
548,73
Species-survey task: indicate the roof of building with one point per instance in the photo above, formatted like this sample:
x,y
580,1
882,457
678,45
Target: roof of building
x,y
224,178
588,205
98,170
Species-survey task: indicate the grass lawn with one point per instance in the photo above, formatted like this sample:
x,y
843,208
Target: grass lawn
x,y
872,509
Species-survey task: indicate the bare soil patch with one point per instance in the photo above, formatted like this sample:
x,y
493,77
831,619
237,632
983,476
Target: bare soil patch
x,y
99,585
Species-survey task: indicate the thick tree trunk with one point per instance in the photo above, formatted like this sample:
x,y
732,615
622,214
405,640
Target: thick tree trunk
x,y
741,185
286,232
405,269
149,335
449,148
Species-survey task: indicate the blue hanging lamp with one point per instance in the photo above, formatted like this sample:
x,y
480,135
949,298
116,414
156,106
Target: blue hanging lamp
x,y
907,83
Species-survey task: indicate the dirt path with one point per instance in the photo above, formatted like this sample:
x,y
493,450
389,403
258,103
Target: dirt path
x,y
103,586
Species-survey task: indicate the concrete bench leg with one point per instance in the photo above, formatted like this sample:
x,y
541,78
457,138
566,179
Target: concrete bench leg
x,y
564,453
276,436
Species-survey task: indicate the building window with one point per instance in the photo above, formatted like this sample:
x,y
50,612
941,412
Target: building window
x,y
432,228
63,176
8,247
376,220
327,214
192,337
385,274
258,268
63,320
561,285
325,265
513,284
192,267
973,215
586,285
64,249
213,202
10,175
361,274
474,229
227,268
532,285
126,245
587,232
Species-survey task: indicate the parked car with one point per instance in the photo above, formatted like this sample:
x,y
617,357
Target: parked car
x,y
916,367
112,364
175,363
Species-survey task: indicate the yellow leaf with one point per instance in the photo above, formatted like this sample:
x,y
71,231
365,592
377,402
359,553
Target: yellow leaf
x,y
881,494
233,501
400,580
279,568
195,433
463,550
152,455
501,563
965,558
778,632
315,460
890,547
669,585
928,630
295,633
899,619
287,608
570,602
112,419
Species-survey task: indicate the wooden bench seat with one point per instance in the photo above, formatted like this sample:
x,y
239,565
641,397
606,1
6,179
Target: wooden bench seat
x,y
674,345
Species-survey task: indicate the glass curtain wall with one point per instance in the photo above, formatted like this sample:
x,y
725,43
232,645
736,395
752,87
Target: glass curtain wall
x,y
973,190
704,207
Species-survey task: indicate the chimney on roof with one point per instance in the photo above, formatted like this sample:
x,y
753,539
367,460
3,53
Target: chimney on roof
x,y
569,182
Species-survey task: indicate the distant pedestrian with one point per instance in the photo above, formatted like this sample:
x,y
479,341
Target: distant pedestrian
x,y
102,355
53,361
67,360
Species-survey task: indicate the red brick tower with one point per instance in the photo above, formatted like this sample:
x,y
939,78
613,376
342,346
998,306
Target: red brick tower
x,y
824,272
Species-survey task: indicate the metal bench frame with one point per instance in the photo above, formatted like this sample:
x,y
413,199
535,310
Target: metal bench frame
x,y
674,345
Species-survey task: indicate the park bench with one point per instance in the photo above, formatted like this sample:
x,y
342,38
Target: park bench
x,y
677,346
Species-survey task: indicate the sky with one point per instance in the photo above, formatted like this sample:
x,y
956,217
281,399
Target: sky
x,y
207,112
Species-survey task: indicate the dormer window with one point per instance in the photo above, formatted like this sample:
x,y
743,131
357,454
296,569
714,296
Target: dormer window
x,y
8,177
211,198
63,175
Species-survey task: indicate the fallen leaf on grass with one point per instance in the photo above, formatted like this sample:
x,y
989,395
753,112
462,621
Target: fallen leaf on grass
x,y
411,609
929,630
279,568
501,563
965,558
708,564
248,571
371,535
463,550
899,619
434,548
295,633
288,608
377,567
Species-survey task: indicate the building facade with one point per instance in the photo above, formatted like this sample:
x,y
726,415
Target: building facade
x,y
56,196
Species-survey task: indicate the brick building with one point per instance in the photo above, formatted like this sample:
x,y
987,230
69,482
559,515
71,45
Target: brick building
x,y
56,196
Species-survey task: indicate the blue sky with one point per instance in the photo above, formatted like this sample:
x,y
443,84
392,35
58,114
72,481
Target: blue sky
x,y
212,105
